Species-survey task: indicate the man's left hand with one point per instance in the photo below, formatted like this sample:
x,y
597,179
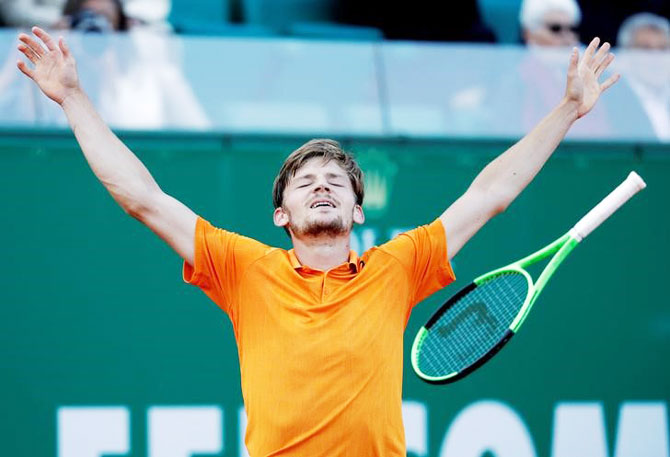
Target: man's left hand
x,y
583,87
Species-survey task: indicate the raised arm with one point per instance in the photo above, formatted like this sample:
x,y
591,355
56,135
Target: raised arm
x,y
117,168
502,180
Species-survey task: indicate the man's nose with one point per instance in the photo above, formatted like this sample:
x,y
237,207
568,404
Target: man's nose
x,y
322,185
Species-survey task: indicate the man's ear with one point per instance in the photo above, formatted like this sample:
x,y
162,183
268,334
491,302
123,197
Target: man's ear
x,y
359,216
279,217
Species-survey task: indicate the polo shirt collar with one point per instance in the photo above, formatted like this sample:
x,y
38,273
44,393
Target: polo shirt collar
x,y
355,264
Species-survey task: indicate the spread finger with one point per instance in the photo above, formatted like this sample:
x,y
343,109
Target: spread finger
x,y
29,53
32,44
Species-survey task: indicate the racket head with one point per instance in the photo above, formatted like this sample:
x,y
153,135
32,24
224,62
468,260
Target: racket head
x,y
472,326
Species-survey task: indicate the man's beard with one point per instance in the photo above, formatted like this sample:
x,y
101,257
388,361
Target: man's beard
x,y
313,229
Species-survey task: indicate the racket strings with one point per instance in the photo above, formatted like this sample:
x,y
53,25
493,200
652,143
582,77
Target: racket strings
x,y
473,325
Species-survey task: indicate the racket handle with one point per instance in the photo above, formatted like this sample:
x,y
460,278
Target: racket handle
x,y
632,185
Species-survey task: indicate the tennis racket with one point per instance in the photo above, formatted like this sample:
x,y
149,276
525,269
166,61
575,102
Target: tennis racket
x,y
474,324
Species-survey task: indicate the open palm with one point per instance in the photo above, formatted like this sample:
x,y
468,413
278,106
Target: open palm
x,y
54,69
583,74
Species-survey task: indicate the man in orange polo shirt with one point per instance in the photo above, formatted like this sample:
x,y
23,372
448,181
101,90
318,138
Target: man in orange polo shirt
x,y
319,330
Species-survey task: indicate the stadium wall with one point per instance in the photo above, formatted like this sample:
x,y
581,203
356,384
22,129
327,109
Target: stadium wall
x,y
100,337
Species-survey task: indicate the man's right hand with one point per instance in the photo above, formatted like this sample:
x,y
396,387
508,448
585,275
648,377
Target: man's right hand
x,y
55,71
118,169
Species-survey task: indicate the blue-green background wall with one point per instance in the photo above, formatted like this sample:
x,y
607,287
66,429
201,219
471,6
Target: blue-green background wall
x,y
93,310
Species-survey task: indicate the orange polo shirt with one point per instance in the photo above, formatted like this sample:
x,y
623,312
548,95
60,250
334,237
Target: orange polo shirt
x,y
321,353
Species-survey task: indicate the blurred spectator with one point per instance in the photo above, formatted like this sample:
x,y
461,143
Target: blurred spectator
x,y
603,18
548,27
648,73
542,74
550,22
645,31
136,81
26,13
424,20
94,16
153,13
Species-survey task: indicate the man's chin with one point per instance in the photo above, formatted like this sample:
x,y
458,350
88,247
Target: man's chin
x,y
330,228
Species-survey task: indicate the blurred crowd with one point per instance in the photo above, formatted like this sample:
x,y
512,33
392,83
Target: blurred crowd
x,y
629,26
539,22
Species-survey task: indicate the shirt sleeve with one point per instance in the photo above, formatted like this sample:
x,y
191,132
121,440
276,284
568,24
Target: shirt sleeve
x,y
423,254
221,258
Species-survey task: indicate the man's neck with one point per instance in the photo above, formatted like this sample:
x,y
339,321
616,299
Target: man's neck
x,y
322,253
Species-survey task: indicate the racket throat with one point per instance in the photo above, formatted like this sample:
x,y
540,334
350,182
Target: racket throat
x,y
568,243
568,246
545,252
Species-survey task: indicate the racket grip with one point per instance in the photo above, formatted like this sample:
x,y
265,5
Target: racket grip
x,y
632,185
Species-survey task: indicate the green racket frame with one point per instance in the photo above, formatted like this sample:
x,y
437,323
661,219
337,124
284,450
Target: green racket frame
x,y
561,248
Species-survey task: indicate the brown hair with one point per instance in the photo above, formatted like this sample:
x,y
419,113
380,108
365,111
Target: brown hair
x,y
327,150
